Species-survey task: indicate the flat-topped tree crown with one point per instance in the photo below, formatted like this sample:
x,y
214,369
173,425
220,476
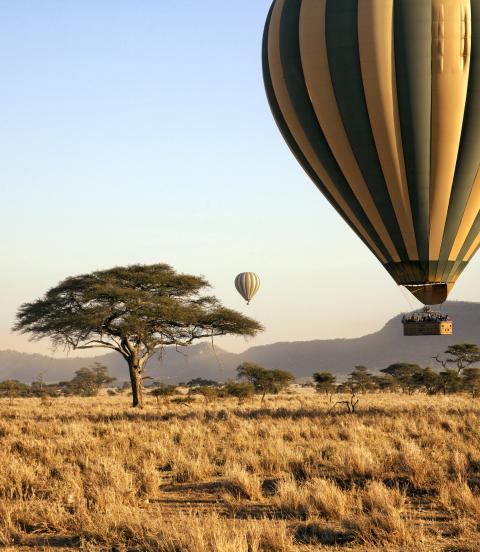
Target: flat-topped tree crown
x,y
134,310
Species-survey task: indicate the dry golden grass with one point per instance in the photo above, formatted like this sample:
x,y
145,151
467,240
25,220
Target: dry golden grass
x,y
403,473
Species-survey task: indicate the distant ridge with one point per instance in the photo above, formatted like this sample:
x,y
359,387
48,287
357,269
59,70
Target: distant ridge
x,y
376,350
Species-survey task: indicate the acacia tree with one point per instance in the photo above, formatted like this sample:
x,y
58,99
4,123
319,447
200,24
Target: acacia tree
x,y
88,381
325,382
450,381
135,310
471,381
427,379
265,381
461,356
405,375
14,388
361,380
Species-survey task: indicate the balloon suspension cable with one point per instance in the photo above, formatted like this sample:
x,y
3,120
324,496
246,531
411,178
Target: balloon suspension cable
x,y
415,291
406,295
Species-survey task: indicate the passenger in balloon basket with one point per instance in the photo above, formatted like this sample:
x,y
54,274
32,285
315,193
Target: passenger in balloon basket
x,y
427,322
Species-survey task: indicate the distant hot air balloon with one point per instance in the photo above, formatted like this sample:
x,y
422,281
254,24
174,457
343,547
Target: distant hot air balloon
x,y
379,102
247,284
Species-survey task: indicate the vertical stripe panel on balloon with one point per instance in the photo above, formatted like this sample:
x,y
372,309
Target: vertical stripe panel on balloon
x,y
344,62
412,49
294,80
473,249
251,285
468,248
295,127
469,216
464,199
450,70
313,52
358,223
284,129
257,283
375,34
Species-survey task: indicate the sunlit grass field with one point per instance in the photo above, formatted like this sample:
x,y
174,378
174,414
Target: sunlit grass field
x,y
291,474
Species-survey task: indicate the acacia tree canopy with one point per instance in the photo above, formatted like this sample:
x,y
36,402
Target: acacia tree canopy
x,y
461,355
265,381
134,310
325,382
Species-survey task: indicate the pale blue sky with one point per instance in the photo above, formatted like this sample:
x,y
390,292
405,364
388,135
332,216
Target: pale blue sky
x,y
138,131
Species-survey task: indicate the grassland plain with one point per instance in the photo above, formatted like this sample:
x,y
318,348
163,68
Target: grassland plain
x,y
402,473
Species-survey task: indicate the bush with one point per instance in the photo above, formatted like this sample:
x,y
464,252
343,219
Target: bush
x,y
239,390
164,390
209,393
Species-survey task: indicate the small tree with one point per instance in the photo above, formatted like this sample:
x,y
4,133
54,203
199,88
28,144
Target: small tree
x,y
471,381
385,383
208,392
101,375
38,384
84,383
13,388
450,381
135,311
426,379
361,380
403,372
87,381
163,390
325,382
461,356
240,390
264,381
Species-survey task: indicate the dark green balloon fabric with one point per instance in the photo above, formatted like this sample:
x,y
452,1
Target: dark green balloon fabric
x,y
379,102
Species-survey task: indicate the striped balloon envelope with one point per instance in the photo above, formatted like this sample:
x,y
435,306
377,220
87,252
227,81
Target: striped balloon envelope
x,y
379,101
247,284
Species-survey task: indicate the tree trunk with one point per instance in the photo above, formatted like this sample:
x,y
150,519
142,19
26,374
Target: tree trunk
x,y
136,381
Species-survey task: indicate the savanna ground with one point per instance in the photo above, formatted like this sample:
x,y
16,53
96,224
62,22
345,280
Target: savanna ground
x,y
402,473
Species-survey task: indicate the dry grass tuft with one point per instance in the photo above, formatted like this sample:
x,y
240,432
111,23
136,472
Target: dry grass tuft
x,y
403,473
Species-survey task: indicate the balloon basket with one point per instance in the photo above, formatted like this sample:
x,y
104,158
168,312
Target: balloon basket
x,y
427,322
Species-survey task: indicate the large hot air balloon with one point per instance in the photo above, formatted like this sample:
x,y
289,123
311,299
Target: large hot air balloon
x,y
379,101
247,284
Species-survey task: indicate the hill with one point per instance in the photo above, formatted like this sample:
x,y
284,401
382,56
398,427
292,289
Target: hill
x,y
199,359
376,351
